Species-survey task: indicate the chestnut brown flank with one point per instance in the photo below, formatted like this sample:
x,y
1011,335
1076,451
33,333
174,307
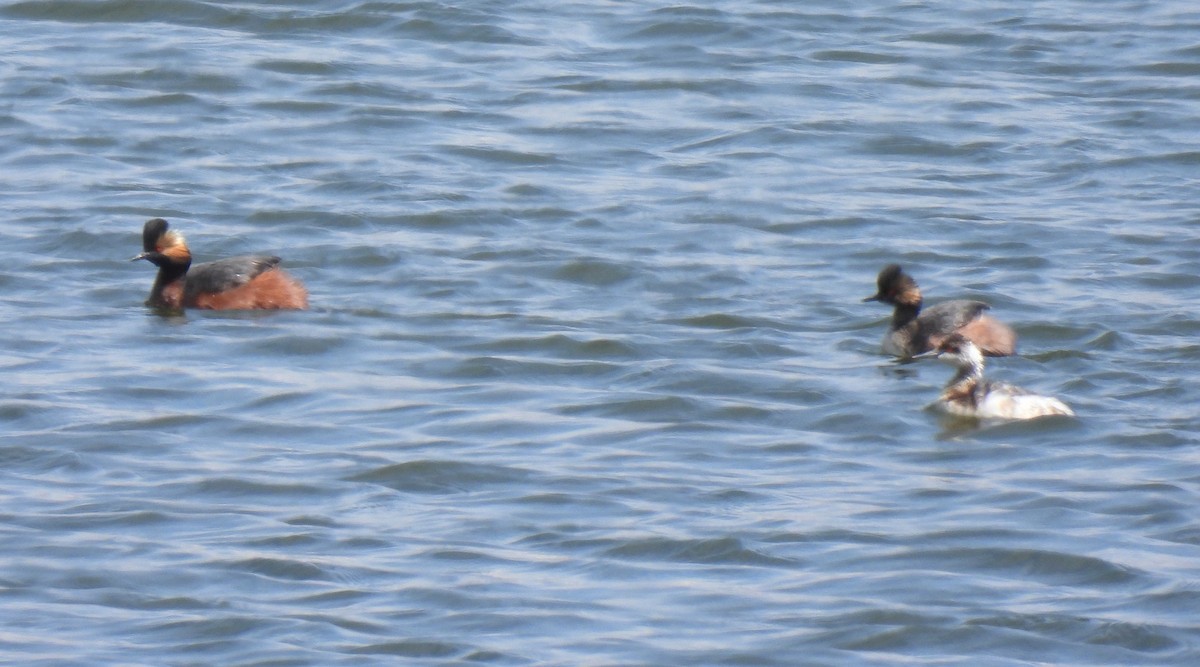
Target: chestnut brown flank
x,y
269,290
992,337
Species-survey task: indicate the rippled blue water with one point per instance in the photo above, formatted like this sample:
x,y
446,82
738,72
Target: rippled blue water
x,y
587,380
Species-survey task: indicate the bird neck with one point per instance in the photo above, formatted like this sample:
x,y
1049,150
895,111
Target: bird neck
x,y
168,274
905,313
969,374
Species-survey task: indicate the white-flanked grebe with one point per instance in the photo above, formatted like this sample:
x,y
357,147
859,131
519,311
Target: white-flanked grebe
x,y
250,282
969,395
913,331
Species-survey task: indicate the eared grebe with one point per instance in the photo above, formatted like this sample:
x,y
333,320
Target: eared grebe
x,y
238,283
914,331
969,395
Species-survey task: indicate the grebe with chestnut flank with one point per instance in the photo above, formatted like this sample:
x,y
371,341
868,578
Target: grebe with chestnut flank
x,y
249,282
969,395
913,331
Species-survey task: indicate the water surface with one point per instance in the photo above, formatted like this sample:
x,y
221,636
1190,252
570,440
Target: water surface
x,y
587,379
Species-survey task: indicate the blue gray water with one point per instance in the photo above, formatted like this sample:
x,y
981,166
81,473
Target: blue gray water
x,y
587,379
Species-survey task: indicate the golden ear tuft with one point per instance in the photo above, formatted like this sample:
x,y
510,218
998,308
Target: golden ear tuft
x,y
172,244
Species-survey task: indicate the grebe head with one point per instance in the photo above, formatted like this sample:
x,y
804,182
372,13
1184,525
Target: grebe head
x,y
958,351
895,287
162,246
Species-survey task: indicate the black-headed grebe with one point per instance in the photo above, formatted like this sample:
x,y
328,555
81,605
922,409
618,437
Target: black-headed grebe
x,y
914,331
239,283
969,395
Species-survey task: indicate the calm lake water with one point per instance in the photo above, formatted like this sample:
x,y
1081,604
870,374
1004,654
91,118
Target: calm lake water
x,y
587,378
